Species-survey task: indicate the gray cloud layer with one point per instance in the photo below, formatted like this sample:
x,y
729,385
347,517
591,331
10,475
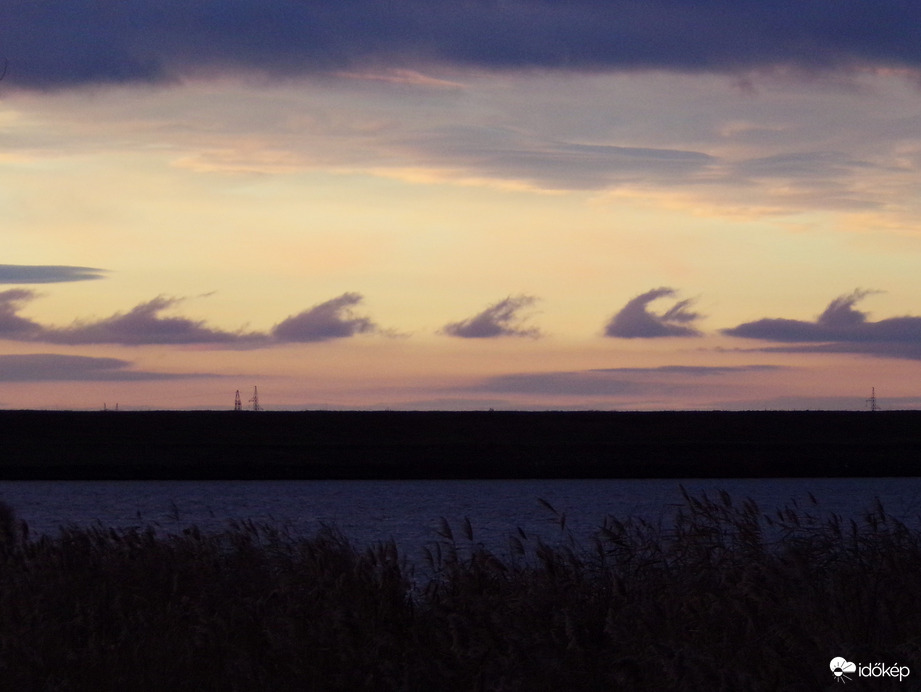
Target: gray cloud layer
x,y
841,328
636,321
46,274
500,319
59,43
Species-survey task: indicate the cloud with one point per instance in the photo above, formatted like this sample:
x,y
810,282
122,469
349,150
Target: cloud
x,y
841,328
612,382
333,319
839,322
12,326
509,153
61,43
560,384
635,321
45,274
141,325
692,370
52,367
145,325
500,319
808,403
881,349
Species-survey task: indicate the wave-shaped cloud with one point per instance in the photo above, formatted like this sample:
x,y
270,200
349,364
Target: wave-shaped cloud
x,y
841,328
333,319
839,322
146,325
57,43
12,325
635,321
503,318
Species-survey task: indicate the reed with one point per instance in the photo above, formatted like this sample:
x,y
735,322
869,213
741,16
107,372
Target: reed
x,y
724,597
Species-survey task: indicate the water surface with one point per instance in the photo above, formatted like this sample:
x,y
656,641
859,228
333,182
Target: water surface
x,y
410,512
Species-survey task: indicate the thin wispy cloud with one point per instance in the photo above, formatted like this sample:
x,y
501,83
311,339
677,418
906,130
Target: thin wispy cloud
x,y
692,370
636,321
549,163
46,274
504,318
56,43
615,382
561,384
333,319
841,328
555,160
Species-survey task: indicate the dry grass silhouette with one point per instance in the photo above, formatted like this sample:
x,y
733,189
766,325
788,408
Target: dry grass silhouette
x,y
725,597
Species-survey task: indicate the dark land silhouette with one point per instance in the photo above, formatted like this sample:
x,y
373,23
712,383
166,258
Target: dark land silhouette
x,y
443,445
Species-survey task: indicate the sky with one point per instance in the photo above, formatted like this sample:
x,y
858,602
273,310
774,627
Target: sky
x,y
506,204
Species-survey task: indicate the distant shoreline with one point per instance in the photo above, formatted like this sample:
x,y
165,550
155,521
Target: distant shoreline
x,y
72,445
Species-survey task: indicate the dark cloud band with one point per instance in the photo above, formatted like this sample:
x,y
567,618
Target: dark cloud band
x,y
53,367
46,274
59,43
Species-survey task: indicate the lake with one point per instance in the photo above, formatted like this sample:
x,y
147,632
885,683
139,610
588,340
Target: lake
x,y
410,511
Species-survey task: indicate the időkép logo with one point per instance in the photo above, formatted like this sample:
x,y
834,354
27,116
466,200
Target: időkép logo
x,y
845,670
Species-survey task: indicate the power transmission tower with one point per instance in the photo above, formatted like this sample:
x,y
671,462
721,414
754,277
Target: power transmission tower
x,y
255,400
872,400
237,402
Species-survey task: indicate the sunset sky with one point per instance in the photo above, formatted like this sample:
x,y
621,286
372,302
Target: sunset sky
x,y
509,204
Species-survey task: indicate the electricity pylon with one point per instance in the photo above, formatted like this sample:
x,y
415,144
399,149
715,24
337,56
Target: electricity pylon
x,y
872,400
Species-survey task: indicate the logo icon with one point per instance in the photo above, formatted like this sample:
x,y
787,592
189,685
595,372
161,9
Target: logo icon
x,y
840,666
